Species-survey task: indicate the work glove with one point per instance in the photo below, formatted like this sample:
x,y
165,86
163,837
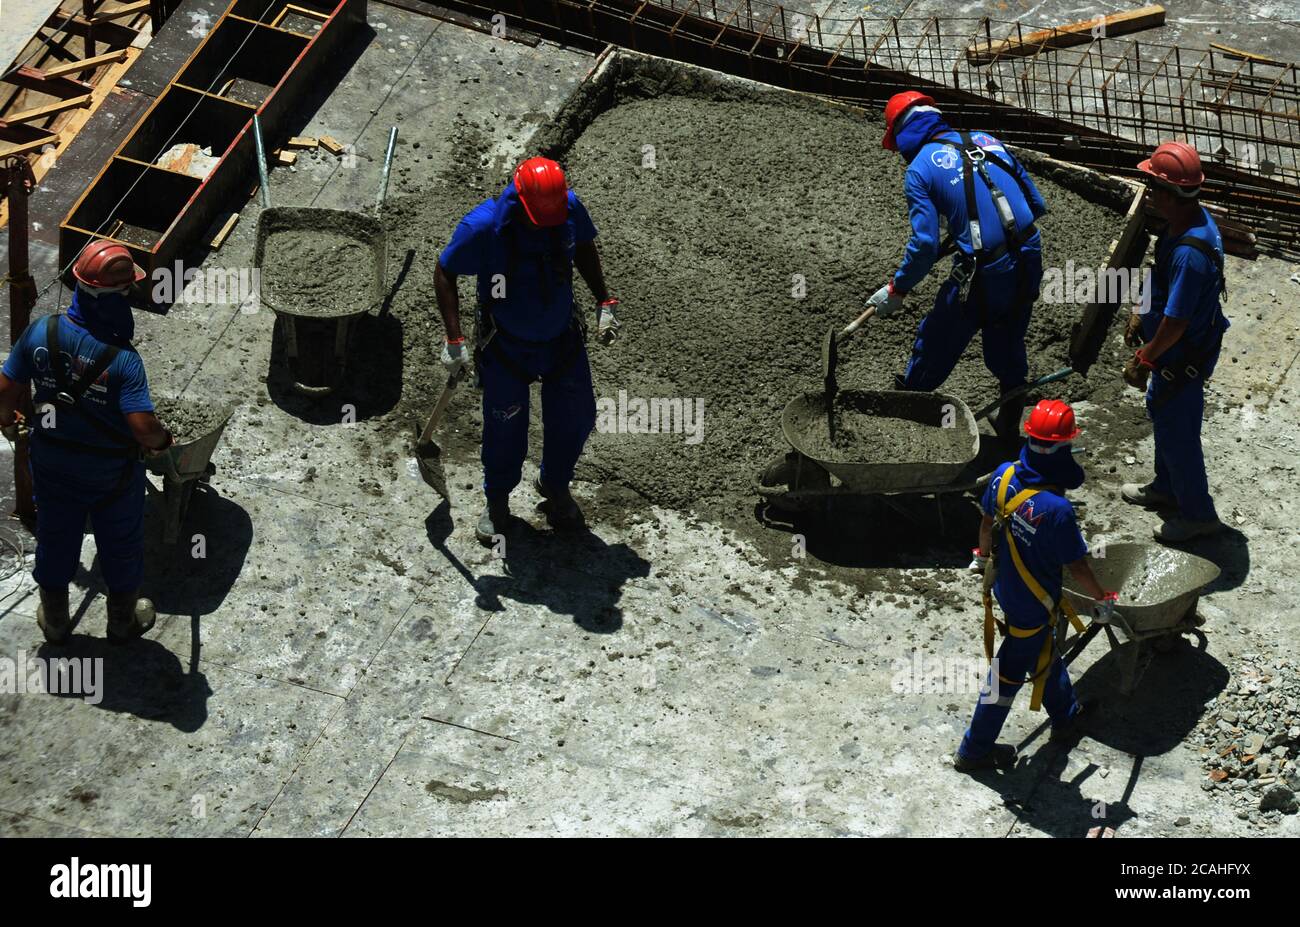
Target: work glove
x,y
1138,371
978,561
1103,609
454,356
607,323
15,429
1133,331
887,300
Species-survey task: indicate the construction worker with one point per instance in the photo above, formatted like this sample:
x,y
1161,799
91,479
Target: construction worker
x,y
990,204
1029,533
1178,331
522,247
94,419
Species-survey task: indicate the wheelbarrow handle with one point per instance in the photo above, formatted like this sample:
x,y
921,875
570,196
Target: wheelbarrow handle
x,y
388,166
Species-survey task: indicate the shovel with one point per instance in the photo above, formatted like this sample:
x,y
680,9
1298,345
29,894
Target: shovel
x,y
831,357
1021,390
428,455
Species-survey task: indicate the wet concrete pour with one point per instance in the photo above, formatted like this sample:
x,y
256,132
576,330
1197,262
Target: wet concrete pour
x,y
348,660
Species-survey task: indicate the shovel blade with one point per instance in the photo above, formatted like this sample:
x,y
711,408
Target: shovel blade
x,y
428,457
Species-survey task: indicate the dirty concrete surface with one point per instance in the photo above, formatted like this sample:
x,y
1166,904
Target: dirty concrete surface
x,y
344,659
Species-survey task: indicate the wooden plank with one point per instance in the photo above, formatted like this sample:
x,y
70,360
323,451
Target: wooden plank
x,y
1249,56
330,144
85,64
41,112
24,148
32,79
122,12
1079,33
224,231
280,156
302,141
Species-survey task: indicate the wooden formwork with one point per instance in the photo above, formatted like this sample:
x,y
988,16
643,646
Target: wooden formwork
x,y
258,59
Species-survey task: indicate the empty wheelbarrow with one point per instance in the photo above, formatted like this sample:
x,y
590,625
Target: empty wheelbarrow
x,y
189,460
1158,590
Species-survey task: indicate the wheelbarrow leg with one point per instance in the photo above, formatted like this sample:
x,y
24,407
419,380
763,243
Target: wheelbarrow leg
x,y
176,499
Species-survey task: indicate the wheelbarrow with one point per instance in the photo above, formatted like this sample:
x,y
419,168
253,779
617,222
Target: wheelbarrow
x,y
317,344
803,480
182,465
1158,587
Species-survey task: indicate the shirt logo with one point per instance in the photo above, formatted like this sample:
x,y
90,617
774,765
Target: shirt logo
x,y
944,158
1028,518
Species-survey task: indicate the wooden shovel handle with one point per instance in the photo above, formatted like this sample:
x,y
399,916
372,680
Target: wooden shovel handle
x,y
439,408
857,323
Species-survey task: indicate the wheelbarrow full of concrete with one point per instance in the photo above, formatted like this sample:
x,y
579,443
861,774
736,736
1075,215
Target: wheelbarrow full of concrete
x,y
320,271
197,427
1158,587
884,442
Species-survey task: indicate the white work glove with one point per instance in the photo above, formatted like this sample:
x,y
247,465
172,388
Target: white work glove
x,y
887,300
454,356
978,561
1103,609
607,323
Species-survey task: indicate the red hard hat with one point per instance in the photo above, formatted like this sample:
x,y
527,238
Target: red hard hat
x,y
1051,420
1175,163
897,105
106,265
543,191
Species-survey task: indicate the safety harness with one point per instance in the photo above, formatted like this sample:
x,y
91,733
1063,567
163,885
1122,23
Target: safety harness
x,y
555,267
1197,357
1002,524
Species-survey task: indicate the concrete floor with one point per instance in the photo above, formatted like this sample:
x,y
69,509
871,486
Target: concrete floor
x,y
349,663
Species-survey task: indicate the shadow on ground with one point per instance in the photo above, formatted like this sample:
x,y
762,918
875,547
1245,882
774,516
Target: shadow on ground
x,y
1156,717
142,678
573,573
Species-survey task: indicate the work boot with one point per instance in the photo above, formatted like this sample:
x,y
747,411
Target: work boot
x,y
129,616
52,615
1180,530
562,510
1001,755
494,520
1145,496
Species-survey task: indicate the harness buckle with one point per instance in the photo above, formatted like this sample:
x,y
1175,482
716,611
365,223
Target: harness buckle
x,y
1191,372
976,154
65,398
1168,375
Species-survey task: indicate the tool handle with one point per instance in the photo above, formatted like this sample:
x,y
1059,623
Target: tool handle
x,y
262,179
388,163
1021,390
440,407
857,323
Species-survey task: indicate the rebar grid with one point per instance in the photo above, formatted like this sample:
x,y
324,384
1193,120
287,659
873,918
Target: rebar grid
x,y
1104,103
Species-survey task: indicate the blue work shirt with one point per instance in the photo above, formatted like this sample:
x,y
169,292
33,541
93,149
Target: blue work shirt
x,y
934,187
1185,284
534,264
121,389
1047,536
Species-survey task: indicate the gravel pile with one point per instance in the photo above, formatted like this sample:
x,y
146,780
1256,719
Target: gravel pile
x,y
1250,739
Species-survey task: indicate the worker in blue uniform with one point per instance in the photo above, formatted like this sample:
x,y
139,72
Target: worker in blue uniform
x,y
1178,332
522,247
1029,534
93,422
990,204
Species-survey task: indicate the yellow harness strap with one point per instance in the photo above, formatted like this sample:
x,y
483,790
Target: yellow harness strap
x,y
1005,510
